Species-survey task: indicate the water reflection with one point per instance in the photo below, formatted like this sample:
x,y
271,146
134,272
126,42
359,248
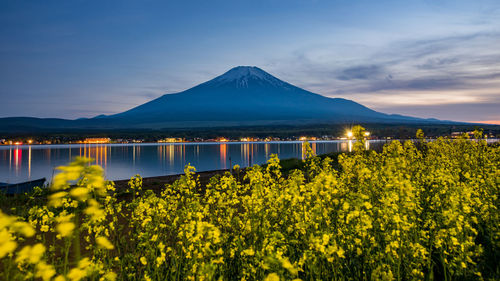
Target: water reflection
x,y
247,152
99,153
18,154
121,161
29,162
10,158
48,152
223,154
244,151
171,154
133,155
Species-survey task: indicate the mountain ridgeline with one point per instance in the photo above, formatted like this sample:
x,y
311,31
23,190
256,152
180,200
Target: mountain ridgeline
x,y
247,95
242,96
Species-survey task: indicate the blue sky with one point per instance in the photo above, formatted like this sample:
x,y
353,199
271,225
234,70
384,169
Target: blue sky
x,y
76,59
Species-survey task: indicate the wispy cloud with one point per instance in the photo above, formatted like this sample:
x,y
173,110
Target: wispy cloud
x,y
462,70
438,63
363,72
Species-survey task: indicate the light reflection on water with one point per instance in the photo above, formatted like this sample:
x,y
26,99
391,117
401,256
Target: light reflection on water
x,y
121,161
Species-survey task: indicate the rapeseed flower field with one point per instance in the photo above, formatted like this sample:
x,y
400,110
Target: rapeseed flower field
x,y
414,211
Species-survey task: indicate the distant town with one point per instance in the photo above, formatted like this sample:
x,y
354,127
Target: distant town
x,y
108,140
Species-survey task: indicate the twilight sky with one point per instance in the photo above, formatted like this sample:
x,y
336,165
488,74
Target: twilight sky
x,y
81,58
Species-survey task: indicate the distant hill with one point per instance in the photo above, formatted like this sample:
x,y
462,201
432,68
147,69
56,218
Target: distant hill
x,y
244,95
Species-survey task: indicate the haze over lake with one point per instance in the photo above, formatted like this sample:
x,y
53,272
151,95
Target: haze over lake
x,y
122,161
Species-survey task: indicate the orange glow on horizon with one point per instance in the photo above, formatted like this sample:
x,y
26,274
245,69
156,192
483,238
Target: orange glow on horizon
x,y
492,122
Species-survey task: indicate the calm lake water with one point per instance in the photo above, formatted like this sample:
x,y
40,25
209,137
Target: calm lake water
x,y
122,161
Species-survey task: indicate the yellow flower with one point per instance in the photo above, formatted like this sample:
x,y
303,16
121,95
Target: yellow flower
x,y
45,271
37,252
104,243
160,260
84,263
80,193
31,254
143,260
56,199
60,278
7,247
65,228
345,206
76,274
340,252
23,228
110,276
287,265
248,252
272,277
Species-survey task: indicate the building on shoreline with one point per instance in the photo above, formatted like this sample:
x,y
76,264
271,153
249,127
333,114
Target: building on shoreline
x,y
97,140
171,140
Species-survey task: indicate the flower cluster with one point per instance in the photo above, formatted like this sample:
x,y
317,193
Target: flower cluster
x,y
414,211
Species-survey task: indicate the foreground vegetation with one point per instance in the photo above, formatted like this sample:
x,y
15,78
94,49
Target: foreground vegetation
x,y
415,211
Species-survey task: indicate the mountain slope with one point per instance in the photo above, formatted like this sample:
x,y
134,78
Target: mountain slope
x,y
242,96
249,94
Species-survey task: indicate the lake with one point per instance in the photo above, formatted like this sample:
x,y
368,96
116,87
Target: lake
x,y
122,161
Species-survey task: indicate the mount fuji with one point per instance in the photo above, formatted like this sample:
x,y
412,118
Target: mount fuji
x,y
244,95
248,95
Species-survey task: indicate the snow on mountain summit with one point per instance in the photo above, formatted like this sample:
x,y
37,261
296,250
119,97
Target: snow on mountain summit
x,y
244,71
243,74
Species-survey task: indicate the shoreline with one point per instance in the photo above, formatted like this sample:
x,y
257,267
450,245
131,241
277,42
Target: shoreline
x,y
53,145
158,182
182,143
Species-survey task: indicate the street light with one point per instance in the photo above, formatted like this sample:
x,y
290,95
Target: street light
x,y
349,134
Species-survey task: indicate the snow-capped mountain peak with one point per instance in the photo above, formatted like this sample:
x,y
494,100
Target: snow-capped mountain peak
x,y
243,74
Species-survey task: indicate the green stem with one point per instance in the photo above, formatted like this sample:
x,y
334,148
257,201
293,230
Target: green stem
x,y
66,250
76,239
